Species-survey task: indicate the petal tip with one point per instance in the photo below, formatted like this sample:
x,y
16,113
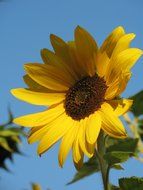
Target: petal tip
x,y
12,91
53,36
121,28
61,164
78,28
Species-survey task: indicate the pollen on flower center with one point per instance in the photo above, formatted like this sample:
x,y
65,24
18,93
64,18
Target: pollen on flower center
x,y
85,97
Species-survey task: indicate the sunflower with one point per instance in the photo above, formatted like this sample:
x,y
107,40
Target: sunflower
x,y
80,85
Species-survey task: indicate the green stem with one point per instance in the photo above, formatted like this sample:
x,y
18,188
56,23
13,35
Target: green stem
x,y
103,164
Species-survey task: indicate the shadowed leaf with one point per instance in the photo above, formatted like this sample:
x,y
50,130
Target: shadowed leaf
x,y
137,107
113,187
132,183
125,145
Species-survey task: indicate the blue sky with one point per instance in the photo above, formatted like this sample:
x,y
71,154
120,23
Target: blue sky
x,y
25,27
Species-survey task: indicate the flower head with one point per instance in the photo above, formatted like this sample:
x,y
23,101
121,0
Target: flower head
x,y
80,85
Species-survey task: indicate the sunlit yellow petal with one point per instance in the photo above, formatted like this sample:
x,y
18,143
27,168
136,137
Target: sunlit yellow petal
x,y
82,138
120,107
123,81
37,135
38,98
41,118
112,89
66,143
123,62
76,151
123,44
93,128
111,124
55,132
111,41
117,86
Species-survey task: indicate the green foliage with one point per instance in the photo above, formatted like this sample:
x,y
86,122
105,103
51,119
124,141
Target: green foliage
x,y
9,140
117,151
117,167
121,150
124,145
132,183
140,128
116,157
113,187
137,107
88,168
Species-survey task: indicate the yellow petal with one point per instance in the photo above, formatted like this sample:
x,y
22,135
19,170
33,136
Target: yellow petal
x,y
34,129
76,63
128,58
37,135
93,127
112,89
102,62
60,47
57,129
123,62
38,98
76,151
78,165
111,124
48,57
86,48
62,50
32,84
66,143
117,86
111,41
123,81
41,118
123,44
91,149
49,76
51,58
120,107
82,138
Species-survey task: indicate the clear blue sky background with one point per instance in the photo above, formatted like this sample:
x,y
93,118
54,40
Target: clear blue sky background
x,y
25,26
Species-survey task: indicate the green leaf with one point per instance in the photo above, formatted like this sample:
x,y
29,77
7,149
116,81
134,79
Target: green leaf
x,y
132,183
124,145
121,150
116,157
4,144
8,132
88,168
137,107
117,167
140,128
9,140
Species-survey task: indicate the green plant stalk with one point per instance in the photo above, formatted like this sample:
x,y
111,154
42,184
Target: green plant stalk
x,y
103,164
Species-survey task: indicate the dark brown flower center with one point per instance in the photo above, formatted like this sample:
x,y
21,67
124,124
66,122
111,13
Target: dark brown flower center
x,y
85,97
